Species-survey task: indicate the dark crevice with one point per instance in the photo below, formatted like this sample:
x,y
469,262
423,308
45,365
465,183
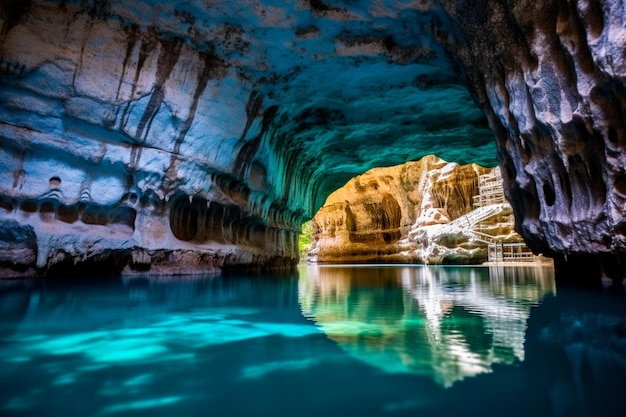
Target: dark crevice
x,y
248,150
320,6
12,12
202,221
132,33
620,183
548,193
50,210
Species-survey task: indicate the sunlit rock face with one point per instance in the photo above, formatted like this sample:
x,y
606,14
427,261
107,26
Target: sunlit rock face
x,y
188,136
402,214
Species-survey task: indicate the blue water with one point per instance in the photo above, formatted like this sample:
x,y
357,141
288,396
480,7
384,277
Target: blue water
x,y
328,341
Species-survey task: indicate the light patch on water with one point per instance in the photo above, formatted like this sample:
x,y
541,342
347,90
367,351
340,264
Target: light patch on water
x,y
72,343
151,343
178,357
259,371
142,332
159,341
103,346
139,380
128,351
164,339
287,330
140,405
207,334
18,359
65,379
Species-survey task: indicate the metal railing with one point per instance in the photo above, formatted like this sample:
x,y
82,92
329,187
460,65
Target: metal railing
x,y
479,214
509,252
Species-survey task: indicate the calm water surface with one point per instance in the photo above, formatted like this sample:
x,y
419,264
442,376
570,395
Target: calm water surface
x,y
329,341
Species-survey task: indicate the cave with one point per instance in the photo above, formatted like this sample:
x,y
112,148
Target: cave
x,y
159,158
199,128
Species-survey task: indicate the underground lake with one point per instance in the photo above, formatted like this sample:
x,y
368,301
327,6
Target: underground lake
x,y
160,160
327,340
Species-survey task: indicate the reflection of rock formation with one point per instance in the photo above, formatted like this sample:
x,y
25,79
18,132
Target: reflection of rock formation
x,y
445,323
395,215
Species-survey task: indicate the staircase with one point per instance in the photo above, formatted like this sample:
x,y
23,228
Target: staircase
x,y
482,237
497,250
490,202
470,220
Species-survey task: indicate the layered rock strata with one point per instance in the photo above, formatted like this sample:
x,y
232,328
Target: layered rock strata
x,y
190,135
406,214
187,137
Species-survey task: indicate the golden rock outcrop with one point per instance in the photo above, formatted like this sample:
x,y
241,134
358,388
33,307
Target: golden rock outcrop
x,y
405,214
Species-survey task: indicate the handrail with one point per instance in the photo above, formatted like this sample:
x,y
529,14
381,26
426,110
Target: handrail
x,y
483,237
479,214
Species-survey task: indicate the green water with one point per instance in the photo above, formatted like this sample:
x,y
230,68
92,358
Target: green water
x,y
330,340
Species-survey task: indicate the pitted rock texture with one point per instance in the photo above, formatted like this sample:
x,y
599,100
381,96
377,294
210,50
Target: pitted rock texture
x,y
401,214
18,247
119,120
552,83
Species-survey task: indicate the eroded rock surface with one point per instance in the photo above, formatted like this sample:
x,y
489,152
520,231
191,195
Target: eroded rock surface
x,y
192,136
551,78
18,247
137,134
404,214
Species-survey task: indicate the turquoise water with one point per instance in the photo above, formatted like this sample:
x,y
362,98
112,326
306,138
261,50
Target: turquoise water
x,y
330,340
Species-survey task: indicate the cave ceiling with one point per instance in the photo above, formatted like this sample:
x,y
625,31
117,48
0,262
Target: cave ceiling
x,y
344,86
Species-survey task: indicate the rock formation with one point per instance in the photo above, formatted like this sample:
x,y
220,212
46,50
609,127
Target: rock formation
x,y
187,136
403,214
550,76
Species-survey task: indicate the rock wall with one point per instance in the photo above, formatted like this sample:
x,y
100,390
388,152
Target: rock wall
x,y
551,78
402,214
128,148
185,137
188,136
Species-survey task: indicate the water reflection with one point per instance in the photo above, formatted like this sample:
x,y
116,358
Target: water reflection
x,y
446,323
392,341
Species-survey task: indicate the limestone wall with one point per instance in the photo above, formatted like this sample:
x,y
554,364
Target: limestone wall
x,y
402,214
187,136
